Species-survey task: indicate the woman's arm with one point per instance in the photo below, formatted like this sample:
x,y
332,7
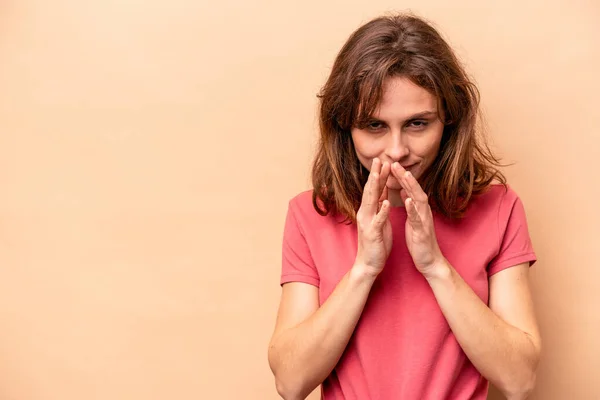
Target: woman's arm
x,y
309,340
502,341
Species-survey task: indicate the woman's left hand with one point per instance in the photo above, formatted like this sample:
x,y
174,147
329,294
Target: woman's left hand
x,y
420,232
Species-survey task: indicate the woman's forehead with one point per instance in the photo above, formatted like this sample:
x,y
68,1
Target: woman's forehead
x,y
402,98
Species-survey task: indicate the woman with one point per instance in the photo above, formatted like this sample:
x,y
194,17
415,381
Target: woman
x,y
405,269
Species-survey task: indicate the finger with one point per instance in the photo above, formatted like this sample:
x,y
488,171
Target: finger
x,y
413,213
415,189
384,194
369,180
382,215
398,171
383,177
370,199
376,165
403,195
409,182
385,173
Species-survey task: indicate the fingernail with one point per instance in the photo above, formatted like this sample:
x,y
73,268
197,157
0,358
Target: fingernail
x,y
407,174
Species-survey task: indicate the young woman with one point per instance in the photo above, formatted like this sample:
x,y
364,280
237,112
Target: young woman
x,y
405,269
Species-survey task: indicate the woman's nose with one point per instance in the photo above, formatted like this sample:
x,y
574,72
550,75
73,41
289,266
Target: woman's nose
x,y
396,148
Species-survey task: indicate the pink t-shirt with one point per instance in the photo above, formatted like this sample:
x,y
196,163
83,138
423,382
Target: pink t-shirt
x,y
402,347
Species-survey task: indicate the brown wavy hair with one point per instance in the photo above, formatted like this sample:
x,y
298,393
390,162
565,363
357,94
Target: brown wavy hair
x,y
400,45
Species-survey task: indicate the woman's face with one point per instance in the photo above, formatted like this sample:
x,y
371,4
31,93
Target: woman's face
x,y
405,128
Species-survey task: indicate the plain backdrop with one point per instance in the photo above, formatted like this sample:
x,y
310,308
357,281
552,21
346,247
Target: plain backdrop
x,y
148,150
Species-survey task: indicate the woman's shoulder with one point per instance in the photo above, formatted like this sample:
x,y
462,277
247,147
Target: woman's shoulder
x,y
302,205
499,192
302,201
495,198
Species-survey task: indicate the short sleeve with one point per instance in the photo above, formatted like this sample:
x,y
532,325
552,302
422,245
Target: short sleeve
x,y
297,262
515,243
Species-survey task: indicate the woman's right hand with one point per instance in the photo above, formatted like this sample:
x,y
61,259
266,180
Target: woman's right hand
x,y
373,223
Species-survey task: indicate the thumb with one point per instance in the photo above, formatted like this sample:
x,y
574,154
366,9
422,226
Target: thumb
x,y
382,215
384,195
403,195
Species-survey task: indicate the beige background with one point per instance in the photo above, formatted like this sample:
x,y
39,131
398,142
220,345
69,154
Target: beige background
x,y
148,150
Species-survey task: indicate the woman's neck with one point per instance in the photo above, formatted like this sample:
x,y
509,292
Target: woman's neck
x,y
394,198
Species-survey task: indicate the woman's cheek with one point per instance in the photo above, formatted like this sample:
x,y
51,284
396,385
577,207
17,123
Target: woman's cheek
x,y
372,148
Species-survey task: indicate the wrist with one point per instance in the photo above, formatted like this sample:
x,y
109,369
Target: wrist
x,y
438,271
362,273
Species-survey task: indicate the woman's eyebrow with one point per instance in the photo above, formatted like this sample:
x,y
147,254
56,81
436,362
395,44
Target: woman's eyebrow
x,y
422,114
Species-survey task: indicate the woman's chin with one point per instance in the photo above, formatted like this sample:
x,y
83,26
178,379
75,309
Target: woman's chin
x,y
393,184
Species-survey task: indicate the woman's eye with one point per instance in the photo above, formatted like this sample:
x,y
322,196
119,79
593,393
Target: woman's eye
x,y
418,124
374,126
